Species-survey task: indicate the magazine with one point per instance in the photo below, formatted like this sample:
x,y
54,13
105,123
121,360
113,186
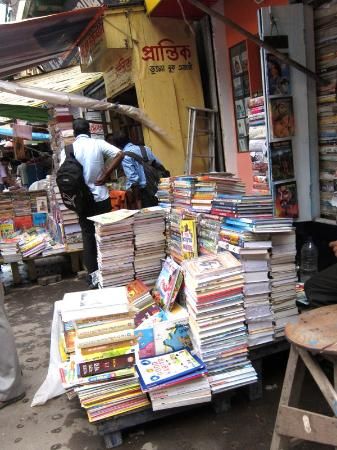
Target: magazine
x,y
286,203
188,232
282,117
278,76
282,160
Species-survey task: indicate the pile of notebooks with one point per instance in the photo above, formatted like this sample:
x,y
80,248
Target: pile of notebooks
x,y
174,379
115,247
208,233
238,206
213,288
252,250
98,351
149,229
165,192
284,280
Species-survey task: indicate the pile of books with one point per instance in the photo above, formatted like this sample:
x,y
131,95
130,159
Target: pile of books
x,y
183,191
213,288
174,379
165,192
21,203
9,249
32,244
99,357
326,64
284,280
209,186
238,206
6,205
208,233
252,250
262,225
257,144
149,229
115,247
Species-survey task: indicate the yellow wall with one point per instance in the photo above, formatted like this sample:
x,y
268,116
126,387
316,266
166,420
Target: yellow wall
x,y
163,95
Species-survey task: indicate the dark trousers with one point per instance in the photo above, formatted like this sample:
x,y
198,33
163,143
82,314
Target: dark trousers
x,y
88,235
321,289
147,199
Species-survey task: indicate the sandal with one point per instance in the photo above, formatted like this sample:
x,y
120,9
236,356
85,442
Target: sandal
x,y
12,400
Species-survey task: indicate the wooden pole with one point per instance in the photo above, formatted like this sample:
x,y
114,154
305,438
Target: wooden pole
x,y
281,56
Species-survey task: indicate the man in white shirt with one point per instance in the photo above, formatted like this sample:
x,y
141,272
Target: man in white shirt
x,y
92,154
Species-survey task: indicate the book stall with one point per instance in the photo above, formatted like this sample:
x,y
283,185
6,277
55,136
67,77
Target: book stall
x,y
189,328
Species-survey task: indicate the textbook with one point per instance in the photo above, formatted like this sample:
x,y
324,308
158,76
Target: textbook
x,y
161,369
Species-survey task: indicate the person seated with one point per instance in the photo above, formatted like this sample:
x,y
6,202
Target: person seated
x,y
321,289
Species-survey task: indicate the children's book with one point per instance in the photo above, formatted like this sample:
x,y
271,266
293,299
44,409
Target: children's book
x,y
168,284
188,232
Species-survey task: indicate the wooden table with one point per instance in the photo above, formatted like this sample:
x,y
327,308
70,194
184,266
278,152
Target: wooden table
x,y
314,333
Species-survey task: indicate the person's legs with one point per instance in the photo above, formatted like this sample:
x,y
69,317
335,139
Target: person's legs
x,y
11,387
88,236
321,289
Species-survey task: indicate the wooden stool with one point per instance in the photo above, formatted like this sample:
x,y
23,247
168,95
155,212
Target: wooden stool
x,y
314,333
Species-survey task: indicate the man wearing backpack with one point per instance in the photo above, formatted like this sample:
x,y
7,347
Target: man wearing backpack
x,y
81,180
142,169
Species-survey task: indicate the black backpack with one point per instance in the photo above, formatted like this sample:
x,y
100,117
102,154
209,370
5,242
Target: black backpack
x,y
75,193
153,170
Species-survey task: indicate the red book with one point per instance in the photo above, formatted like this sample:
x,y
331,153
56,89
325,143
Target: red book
x,y
23,222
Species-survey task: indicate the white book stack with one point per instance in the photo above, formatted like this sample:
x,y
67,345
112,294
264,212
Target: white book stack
x,y
284,279
149,229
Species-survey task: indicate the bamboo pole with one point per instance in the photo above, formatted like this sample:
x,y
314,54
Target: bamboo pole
x,y
281,56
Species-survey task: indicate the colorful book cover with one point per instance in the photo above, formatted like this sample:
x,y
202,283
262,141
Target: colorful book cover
x,y
106,365
282,117
161,369
170,337
166,289
145,342
40,219
23,222
188,232
6,227
278,76
42,204
282,160
286,203
136,289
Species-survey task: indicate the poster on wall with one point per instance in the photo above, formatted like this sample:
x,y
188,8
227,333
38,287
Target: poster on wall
x,y
278,76
285,198
281,117
282,164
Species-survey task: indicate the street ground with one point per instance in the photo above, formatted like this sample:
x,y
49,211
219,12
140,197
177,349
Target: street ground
x,y
62,424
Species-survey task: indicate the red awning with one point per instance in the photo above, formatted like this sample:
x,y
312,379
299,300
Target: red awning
x,y
171,8
31,42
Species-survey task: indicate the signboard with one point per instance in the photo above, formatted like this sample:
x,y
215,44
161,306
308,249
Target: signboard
x,y
93,49
119,75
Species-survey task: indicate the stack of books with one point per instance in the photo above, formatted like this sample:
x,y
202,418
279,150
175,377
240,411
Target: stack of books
x,y
32,244
6,205
252,250
213,288
174,379
183,191
208,233
165,192
209,186
115,247
257,145
284,280
238,206
9,249
101,368
149,229
262,225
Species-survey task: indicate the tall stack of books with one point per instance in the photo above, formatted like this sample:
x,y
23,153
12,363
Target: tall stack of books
x,y
60,127
101,368
174,379
183,191
213,288
115,247
208,233
284,280
6,205
165,192
149,228
9,249
257,144
243,206
326,63
252,250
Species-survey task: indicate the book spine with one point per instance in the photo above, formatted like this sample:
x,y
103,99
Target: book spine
x,y
107,354
121,373
105,328
106,338
106,365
